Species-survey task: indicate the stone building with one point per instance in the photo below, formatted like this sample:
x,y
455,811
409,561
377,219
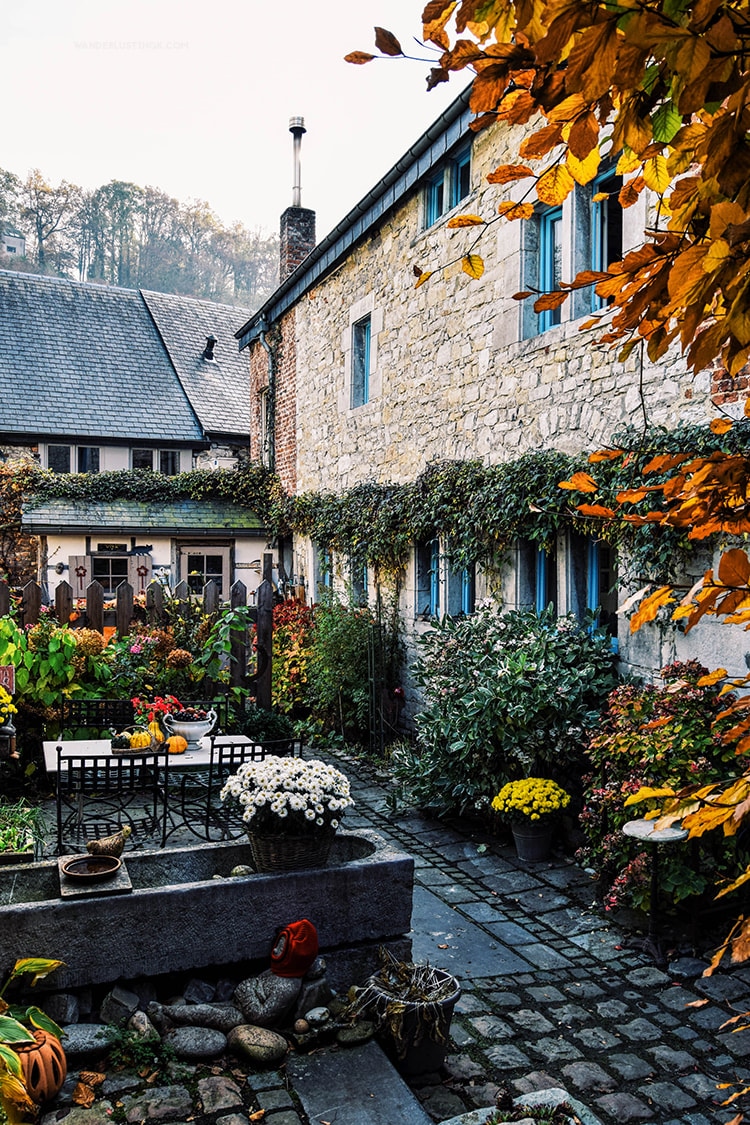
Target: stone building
x,y
384,378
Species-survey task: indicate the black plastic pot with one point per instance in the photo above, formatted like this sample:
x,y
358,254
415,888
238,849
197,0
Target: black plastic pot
x,y
417,1039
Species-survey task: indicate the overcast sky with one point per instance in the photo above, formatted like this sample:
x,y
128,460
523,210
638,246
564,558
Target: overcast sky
x,y
195,96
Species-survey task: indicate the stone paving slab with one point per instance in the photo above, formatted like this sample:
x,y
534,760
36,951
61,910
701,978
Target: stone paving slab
x,y
446,938
359,1085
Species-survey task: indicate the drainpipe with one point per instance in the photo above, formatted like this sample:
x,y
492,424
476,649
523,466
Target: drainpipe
x,y
271,416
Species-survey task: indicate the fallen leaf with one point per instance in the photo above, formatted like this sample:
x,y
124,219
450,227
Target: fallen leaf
x,y
442,947
91,1077
258,1116
697,1003
83,1095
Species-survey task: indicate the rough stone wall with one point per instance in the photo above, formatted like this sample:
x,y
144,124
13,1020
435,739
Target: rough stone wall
x,y
454,380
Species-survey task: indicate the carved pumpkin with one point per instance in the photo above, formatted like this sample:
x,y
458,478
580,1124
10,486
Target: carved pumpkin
x,y
176,744
44,1065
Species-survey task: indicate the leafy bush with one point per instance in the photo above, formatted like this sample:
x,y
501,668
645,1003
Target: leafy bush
x,y
260,725
292,642
506,696
655,735
338,674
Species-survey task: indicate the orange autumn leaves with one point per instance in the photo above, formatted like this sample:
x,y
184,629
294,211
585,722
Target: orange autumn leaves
x,y
660,90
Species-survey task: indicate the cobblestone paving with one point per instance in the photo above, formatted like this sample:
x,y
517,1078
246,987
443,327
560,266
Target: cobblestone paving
x,y
578,1009
632,1042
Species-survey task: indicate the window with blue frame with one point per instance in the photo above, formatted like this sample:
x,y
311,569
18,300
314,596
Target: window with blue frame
x,y
359,583
427,594
549,271
601,586
606,227
460,592
447,186
361,336
325,568
545,580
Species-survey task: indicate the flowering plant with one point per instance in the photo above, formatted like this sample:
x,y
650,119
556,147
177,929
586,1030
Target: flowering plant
x,y
7,706
146,710
532,798
289,797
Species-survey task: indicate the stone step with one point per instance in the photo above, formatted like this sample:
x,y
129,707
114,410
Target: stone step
x,y
356,1085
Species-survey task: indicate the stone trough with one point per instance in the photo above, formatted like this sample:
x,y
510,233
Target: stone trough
x,y
186,913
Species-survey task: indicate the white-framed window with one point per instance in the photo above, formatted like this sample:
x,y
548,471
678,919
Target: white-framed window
x,y
109,564
201,563
447,185
166,461
73,458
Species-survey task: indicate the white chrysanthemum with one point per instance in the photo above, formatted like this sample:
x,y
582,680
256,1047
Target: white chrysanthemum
x,y
309,814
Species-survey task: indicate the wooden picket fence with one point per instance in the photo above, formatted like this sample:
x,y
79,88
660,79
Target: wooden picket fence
x,y
28,600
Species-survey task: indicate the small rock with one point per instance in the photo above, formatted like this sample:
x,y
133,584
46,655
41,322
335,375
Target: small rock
x,y
317,1016
62,1007
142,1026
258,1044
193,1043
145,990
224,990
242,869
317,969
199,992
687,968
301,1026
156,1103
221,1017
219,1092
85,1042
314,994
266,1000
359,1032
118,1006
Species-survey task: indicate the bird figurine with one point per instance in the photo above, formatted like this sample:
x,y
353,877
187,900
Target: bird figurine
x,y
110,845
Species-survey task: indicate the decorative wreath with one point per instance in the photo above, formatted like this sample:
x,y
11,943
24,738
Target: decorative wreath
x,y
81,571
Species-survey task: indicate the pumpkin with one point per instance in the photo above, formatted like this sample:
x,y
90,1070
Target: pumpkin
x,y
176,744
44,1065
156,731
140,740
121,741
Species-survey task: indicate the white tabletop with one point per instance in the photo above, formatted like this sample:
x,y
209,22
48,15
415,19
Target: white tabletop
x,y
102,748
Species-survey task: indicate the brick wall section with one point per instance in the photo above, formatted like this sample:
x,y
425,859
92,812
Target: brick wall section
x,y
282,341
726,389
296,238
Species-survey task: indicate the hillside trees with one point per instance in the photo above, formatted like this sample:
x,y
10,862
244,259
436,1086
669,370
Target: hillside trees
x,y
123,234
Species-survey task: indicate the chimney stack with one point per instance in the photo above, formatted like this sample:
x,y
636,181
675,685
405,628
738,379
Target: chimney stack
x,y
297,228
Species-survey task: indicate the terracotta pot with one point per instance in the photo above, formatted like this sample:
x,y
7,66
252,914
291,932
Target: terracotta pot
x,y
44,1066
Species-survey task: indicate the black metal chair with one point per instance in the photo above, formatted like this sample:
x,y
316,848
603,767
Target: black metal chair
x,y
94,718
202,812
96,795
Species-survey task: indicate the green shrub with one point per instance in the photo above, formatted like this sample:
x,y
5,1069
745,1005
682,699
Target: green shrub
x,y
506,696
338,674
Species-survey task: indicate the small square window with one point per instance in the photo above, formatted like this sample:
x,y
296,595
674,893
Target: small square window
x,y
58,458
142,458
361,362
435,198
88,459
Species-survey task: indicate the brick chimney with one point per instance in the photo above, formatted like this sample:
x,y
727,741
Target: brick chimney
x,y
297,227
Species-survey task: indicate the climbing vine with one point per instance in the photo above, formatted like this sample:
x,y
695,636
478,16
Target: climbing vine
x,y
477,510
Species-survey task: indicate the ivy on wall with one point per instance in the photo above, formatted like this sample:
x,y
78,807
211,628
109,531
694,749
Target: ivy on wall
x,y
477,510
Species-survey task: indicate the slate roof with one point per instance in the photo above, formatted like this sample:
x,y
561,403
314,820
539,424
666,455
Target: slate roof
x,y
126,517
91,361
219,390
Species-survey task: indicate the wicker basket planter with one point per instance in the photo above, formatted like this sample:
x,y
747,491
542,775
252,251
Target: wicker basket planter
x,y
290,853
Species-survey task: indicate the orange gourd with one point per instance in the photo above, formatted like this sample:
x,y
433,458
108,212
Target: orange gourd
x,y
44,1065
176,744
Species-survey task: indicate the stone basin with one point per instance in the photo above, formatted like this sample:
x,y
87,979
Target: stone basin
x,y
185,912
